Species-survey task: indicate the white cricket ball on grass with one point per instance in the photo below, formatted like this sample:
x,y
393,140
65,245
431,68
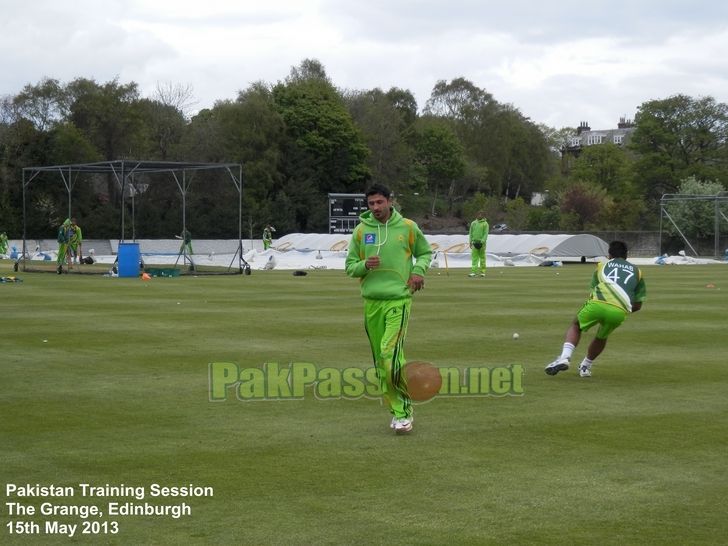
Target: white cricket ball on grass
x,y
516,336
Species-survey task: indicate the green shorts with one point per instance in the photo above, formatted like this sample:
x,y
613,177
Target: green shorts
x,y
607,316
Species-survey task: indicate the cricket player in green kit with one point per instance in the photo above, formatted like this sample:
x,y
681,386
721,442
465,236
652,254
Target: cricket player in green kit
x,y
390,255
617,289
64,238
478,237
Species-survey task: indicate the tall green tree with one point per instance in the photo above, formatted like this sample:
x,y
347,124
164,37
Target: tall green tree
x,y
405,103
697,217
606,165
21,145
467,107
679,137
37,133
458,99
557,139
440,153
508,148
203,137
517,214
163,127
492,207
109,115
324,151
255,135
385,121
43,104
611,168
528,156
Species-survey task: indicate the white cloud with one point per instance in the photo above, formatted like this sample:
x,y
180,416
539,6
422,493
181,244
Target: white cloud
x,y
559,63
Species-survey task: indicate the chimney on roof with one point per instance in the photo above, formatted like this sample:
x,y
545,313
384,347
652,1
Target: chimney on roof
x,y
583,126
625,123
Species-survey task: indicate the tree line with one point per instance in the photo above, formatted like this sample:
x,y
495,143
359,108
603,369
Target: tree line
x,y
302,138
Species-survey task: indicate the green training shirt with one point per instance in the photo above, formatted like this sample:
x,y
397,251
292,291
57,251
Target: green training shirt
x,y
402,249
76,236
618,282
478,230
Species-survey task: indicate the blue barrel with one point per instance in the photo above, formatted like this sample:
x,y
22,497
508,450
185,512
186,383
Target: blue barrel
x,y
129,259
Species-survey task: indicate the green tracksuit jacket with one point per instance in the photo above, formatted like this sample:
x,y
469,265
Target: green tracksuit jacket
x,y
402,249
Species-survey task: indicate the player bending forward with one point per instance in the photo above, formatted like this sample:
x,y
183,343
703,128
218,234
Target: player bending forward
x,y
617,289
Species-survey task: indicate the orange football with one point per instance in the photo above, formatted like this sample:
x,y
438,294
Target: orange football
x,y
423,380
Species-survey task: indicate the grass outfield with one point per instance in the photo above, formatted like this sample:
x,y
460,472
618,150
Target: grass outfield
x,y
119,394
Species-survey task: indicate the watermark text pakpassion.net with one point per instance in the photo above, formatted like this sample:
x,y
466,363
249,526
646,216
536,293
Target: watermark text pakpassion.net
x,y
292,381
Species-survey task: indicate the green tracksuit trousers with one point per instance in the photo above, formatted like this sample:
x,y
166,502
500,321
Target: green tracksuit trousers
x,y
62,253
477,258
386,326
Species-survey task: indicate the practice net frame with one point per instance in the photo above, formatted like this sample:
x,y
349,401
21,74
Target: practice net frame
x,y
124,172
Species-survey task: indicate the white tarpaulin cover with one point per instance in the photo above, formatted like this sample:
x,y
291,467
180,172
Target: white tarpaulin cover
x,y
328,251
543,246
324,251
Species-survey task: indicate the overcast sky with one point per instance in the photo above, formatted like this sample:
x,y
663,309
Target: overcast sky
x,y
558,62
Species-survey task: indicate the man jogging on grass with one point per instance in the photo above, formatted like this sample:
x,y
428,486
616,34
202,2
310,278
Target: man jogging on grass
x,y
390,255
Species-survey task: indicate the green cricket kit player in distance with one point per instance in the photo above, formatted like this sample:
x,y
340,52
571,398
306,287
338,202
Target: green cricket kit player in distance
x,y
389,255
617,289
75,242
65,232
478,238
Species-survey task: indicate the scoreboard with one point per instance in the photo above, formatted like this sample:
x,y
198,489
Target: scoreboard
x,y
344,211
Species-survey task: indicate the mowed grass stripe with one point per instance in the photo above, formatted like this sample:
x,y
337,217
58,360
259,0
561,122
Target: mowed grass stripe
x,y
119,394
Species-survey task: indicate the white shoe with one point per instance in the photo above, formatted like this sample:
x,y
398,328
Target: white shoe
x,y
402,425
558,365
393,422
472,275
584,370
482,274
